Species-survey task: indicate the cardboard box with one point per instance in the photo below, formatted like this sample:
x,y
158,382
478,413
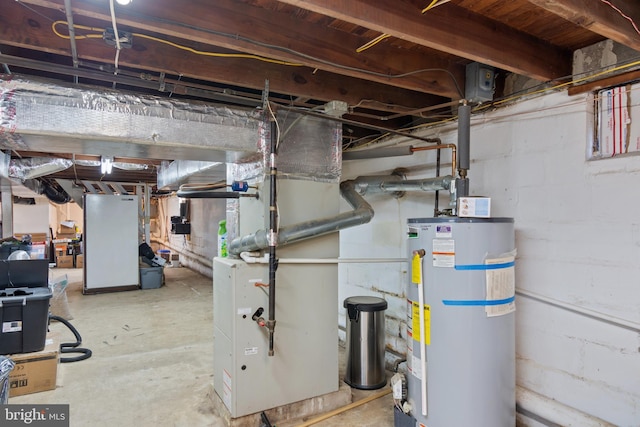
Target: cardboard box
x,y
64,261
66,230
79,261
35,372
35,237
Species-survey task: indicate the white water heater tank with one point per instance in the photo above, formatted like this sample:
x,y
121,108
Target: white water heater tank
x,y
469,321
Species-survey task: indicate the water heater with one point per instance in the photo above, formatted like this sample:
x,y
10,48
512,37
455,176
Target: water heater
x,y
465,373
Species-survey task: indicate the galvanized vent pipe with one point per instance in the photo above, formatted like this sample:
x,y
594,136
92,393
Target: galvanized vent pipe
x,y
362,214
464,138
352,191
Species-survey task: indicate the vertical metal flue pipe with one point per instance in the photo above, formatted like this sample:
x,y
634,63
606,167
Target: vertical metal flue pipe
x,y
464,138
273,235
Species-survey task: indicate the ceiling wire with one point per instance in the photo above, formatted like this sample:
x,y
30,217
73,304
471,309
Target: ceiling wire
x,y
383,36
116,36
172,44
373,42
297,53
516,97
635,27
433,4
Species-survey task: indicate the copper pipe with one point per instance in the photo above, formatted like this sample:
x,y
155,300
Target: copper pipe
x,y
438,147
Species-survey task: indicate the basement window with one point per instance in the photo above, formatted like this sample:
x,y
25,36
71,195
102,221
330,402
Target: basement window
x,y
616,131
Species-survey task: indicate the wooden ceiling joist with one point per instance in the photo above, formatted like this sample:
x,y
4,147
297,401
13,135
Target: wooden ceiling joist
x,y
453,30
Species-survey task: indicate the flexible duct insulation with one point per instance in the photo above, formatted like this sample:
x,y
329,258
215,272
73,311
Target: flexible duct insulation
x,y
40,115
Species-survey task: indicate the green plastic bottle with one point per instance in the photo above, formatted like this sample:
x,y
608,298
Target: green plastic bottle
x,y
222,238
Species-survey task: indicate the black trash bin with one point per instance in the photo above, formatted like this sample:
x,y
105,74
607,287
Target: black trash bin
x,y
365,342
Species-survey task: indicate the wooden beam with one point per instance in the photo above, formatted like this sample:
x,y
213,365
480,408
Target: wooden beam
x,y
599,17
230,24
25,29
617,80
453,29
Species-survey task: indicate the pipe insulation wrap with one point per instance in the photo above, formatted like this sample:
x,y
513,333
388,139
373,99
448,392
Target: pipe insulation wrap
x,y
464,136
208,194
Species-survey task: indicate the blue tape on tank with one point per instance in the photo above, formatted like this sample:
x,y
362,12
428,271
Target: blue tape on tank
x,y
485,266
480,302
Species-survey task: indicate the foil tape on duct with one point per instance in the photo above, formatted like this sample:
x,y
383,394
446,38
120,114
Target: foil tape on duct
x,y
35,167
31,109
309,148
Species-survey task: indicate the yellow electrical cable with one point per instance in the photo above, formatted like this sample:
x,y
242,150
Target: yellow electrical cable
x,y
372,43
176,45
431,6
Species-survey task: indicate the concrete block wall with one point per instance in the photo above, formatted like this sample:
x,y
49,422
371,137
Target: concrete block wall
x,y
578,241
197,249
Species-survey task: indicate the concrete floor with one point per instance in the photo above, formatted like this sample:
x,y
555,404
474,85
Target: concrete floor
x,y
152,362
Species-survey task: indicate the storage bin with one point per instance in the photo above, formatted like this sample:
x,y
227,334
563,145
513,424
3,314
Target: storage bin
x,y
151,277
24,316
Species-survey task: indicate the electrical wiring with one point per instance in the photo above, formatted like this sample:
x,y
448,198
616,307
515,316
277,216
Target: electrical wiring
x,y
372,43
116,36
273,116
383,36
172,44
625,16
435,3
295,52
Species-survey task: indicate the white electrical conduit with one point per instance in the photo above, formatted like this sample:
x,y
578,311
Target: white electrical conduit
x,y
116,36
423,352
607,318
254,257
553,411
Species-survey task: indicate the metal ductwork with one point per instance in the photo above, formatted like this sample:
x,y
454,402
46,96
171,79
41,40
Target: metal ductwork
x,y
362,214
171,175
42,115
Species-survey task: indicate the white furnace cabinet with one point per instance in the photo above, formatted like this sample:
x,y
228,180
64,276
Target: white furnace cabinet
x,y
305,363
110,243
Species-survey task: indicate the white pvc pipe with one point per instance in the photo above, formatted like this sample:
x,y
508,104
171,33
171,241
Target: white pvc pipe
x,y
551,410
607,318
340,260
423,352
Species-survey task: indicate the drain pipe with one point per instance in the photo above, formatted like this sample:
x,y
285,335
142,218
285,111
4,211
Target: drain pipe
x,y
273,236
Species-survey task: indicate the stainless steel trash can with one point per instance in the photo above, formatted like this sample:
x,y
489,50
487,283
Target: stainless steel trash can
x,y
365,342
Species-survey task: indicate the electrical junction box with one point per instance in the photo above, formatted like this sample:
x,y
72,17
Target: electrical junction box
x,y
480,81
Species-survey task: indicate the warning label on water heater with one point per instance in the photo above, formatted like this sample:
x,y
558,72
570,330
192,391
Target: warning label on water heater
x,y
444,253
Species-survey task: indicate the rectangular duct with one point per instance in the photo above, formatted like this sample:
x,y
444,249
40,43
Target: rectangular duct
x,y
39,115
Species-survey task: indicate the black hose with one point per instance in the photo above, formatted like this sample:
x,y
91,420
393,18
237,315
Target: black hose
x,y
71,347
56,196
208,194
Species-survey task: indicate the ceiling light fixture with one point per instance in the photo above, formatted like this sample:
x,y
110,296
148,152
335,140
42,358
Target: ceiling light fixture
x,y
106,165
123,2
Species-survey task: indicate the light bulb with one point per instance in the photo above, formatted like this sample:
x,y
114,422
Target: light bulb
x,y
123,2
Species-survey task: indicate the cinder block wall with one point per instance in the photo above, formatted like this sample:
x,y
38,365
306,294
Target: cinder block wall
x,y
578,241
